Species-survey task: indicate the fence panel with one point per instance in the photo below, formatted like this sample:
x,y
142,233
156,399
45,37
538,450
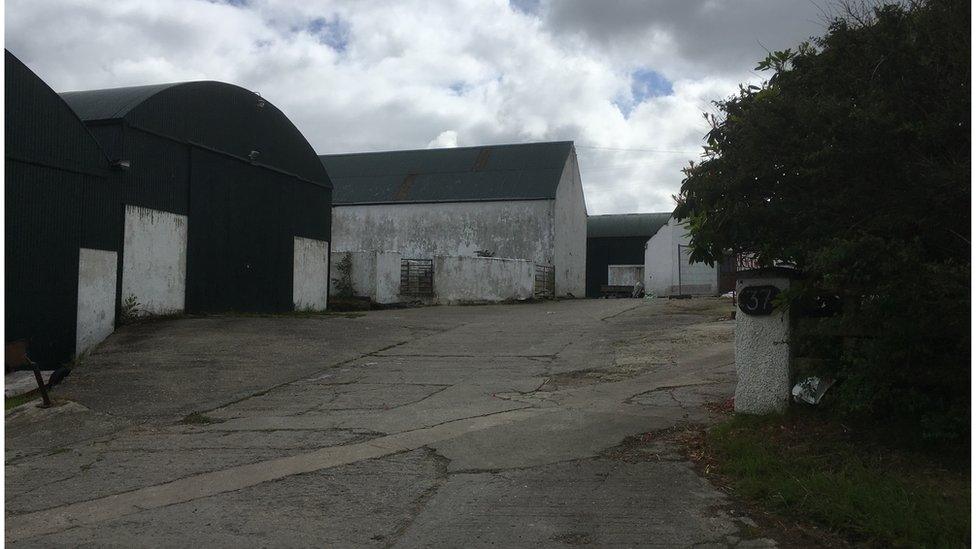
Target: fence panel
x,y
417,277
545,281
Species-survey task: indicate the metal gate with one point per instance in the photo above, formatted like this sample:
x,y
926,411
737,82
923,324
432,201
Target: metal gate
x,y
417,277
545,282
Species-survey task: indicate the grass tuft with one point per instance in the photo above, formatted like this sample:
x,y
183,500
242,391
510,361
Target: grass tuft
x,y
816,470
16,401
197,418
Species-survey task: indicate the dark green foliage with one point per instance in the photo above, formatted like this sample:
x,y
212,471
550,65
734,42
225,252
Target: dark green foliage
x,y
853,163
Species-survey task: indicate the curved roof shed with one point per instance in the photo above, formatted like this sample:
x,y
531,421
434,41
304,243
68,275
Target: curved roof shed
x,y
214,115
242,176
61,209
617,239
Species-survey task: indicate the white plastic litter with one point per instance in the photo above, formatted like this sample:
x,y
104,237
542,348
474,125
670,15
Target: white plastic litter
x,y
811,389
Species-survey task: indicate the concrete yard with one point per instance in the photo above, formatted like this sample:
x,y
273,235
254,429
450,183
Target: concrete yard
x,y
503,425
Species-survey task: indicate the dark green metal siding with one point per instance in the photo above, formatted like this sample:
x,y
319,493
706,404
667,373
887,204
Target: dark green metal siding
x,y
159,172
603,252
58,199
240,251
188,146
617,239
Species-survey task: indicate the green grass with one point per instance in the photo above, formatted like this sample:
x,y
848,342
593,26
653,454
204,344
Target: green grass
x,y
16,401
196,418
815,470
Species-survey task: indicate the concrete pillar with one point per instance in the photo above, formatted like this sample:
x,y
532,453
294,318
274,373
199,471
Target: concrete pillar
x,y
762,348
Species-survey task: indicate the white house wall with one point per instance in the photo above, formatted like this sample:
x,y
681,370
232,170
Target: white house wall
x,y
659,261
310,282
665,273
97,272
570,228
517,229
154,260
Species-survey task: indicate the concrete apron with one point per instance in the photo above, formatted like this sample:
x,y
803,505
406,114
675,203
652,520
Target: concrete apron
x,y
601,398
235,478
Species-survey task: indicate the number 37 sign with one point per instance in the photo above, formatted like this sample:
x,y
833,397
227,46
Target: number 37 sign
x,y
757,300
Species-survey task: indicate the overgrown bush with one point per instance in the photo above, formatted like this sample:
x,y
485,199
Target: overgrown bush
x,y
852,161
343,282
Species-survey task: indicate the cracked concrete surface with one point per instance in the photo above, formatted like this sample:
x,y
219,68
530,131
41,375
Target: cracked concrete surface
x,y
477,426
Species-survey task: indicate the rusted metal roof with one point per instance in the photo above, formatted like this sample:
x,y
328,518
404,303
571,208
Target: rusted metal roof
x,y
529,171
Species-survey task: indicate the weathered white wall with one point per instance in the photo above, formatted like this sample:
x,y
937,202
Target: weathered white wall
x,y
310,282
474,279
662,264
154,260
97,271
570,232
387,277
625,275
520,229
762,356
373,274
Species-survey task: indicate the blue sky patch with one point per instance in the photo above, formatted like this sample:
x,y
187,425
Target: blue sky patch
x,y
530,7
644,84
332,32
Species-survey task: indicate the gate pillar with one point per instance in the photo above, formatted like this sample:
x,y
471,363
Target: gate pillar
x,y
763,358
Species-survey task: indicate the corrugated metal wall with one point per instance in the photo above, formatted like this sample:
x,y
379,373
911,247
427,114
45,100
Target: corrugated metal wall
x,y
242,219
58,199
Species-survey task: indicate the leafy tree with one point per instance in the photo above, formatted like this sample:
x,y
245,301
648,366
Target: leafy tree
x,y
852,162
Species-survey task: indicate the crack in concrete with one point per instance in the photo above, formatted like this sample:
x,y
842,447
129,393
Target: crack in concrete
x,y
192,487
630,399
606,318
424,499
81,469
530,357
374,353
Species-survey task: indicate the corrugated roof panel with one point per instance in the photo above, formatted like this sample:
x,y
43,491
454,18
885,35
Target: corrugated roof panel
x,y
107,104
493,172
215,115
621,225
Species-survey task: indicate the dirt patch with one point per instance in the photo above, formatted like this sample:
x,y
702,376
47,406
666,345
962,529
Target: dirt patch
x,y
573,538
581,378
709,306
649,446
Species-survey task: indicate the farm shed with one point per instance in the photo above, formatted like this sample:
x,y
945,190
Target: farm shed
x,y
225,205
62,222
516,201
667,270
617,240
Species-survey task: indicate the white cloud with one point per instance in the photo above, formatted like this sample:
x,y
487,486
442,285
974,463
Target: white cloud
x,y
360,76
445,140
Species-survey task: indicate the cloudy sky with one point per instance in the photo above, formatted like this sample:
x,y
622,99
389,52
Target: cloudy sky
x,y
627,80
